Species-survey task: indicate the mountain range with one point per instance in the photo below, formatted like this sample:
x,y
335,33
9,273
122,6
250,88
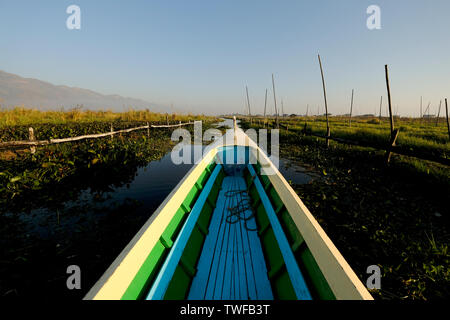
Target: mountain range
x,y
18,91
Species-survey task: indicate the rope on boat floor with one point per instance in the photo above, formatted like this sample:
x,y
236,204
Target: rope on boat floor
x,y
239,211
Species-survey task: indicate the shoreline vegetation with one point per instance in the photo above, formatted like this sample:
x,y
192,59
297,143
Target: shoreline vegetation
x,y
392,215
23,173
43,182
26,116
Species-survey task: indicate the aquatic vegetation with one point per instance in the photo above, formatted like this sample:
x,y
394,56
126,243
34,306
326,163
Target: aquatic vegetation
x,y
40,232
393,216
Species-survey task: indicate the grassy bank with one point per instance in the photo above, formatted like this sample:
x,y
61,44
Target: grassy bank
x,y
26,116
419,136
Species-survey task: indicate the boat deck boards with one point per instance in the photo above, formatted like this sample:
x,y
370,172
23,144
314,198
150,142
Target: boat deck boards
x,y
232,265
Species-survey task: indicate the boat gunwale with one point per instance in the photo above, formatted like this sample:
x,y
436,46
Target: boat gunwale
x,y
341,278
112,286
98,291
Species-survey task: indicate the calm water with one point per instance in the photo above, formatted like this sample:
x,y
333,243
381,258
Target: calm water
x,y
143,195
148,189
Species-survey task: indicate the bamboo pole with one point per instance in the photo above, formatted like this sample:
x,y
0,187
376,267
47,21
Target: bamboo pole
x,y
325,98
446,114
170,126
394,132
32,138
275,102
427,110
351,109
439,112
248,102
389,99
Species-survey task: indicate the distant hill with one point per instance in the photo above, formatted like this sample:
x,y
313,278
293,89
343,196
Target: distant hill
x,y
17,91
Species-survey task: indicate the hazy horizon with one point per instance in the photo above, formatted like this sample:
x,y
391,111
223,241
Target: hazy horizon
x,y
198,56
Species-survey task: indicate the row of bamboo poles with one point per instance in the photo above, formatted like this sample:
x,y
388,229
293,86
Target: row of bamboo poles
x,y
394,132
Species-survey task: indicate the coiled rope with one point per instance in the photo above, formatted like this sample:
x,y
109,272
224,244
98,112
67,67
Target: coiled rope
x,y
242,209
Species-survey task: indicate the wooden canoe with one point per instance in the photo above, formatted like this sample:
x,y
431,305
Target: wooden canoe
x,y
232,229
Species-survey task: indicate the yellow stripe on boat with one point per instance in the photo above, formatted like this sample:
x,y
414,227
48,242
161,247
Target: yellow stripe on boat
x,y
126,266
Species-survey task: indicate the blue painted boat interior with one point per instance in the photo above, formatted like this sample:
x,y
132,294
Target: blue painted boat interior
x,y
168,269
231,264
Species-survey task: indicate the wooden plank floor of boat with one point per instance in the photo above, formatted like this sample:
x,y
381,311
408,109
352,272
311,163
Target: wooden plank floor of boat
x,y
231,265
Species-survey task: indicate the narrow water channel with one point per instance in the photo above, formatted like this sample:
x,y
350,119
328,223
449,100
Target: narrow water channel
x,y
89,231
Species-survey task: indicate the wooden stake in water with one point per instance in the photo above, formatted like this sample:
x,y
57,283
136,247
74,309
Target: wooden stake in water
x,y
446,114
32,138
427,110
394,133
248,103
351,109
439,112
391,118
325,98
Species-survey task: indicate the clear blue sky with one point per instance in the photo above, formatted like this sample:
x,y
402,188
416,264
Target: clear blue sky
x,y
199,55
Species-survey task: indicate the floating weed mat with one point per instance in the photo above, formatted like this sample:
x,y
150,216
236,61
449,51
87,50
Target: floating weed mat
x,y
395,217
29,180
56,173
423,139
